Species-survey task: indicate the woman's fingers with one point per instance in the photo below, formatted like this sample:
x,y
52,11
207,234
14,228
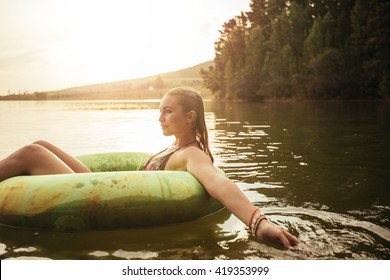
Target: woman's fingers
x,y
284,240
271,232
291,238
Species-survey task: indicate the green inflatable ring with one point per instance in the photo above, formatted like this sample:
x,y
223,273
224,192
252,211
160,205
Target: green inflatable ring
x,y
118,194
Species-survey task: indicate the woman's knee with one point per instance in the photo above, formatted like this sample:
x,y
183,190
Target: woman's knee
x,y
26,156
42,143
33,151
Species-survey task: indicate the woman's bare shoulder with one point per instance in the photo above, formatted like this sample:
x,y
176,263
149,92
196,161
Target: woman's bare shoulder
x,y
195,153
181,158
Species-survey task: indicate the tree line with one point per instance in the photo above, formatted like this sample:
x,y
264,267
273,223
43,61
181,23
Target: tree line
x,y
303,49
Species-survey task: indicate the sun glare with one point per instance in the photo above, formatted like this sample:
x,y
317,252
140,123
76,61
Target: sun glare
x,y
54,44
131,40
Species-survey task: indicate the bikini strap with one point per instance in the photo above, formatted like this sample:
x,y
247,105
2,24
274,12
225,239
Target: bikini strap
x,y
163,160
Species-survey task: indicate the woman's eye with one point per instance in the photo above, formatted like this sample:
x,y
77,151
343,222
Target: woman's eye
x,y
166,111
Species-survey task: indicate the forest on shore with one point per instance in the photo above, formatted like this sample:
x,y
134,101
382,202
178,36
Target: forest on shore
x,y
303,49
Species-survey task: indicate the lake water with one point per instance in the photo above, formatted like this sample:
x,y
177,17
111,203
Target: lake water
x,y
318,169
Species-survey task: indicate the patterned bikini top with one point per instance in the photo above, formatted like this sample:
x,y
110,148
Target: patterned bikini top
x,y
158,163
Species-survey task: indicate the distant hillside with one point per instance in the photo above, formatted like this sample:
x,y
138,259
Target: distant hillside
x,y
143,88
191,72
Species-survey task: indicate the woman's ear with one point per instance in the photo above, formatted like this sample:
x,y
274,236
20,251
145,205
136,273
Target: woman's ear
x,y
191,117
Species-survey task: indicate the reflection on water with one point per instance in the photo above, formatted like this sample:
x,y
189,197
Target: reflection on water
x,y
80,128
319,170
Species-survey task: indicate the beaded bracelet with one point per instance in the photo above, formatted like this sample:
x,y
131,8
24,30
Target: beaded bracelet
x,y
255,220
251,218
261,217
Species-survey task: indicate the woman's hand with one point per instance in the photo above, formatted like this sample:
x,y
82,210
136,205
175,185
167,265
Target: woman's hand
x,y
267,231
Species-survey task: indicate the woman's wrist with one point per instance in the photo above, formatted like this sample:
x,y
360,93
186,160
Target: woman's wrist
x,y
255,220
260,227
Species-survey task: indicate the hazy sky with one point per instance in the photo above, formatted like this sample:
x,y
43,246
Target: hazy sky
x,y
55,44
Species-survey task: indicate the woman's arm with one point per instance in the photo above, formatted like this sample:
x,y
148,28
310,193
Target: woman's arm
x,y
226,192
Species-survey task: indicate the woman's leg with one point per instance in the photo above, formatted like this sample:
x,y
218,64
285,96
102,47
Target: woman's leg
x,y
76,165
35,159
32,159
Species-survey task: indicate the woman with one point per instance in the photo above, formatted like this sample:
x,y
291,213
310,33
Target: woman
x,y
181,115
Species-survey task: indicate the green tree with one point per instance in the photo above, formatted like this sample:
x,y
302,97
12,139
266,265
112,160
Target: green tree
x,y
252,75
229,49
304,49
376,50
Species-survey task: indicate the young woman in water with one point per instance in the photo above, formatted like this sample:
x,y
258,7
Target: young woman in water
x,y
181,115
